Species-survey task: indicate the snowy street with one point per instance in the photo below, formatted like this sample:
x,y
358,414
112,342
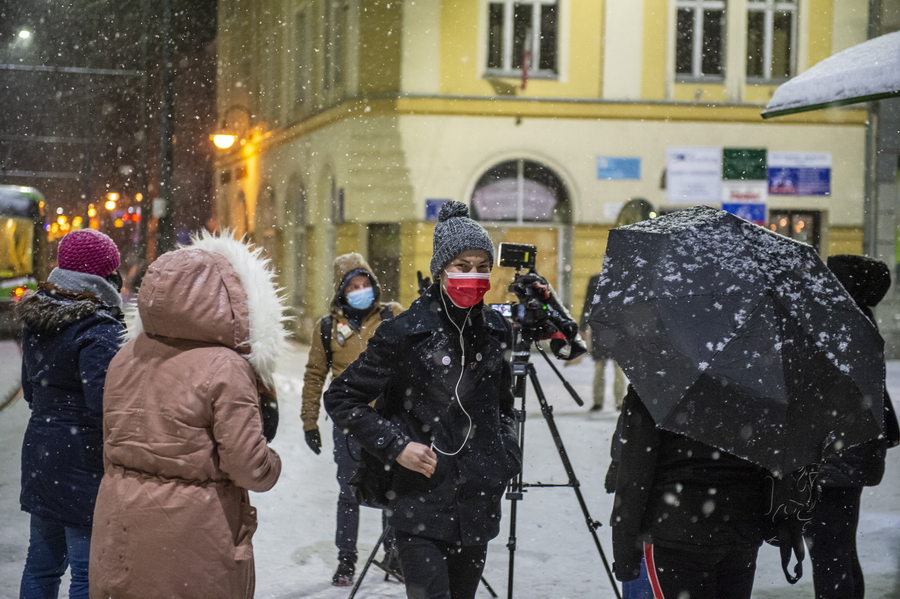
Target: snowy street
x,y
556,557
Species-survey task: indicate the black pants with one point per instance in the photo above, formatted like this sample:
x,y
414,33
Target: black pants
x,y
437,570
831,536
708,574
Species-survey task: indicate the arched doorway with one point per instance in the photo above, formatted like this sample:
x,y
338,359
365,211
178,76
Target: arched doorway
x,y
265,232
297,222
523,201
239,223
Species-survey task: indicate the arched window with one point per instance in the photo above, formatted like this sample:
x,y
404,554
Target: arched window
x,y
520,191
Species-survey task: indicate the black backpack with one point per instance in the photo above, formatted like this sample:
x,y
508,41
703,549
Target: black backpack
x,y
790,500
326,325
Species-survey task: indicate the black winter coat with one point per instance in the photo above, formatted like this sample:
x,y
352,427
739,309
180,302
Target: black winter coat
x,y
679,493
412,364
66,348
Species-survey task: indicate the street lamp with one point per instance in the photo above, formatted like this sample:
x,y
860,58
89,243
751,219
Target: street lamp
x,y
225,137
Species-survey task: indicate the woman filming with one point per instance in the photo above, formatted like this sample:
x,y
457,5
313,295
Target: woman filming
x,y
445,419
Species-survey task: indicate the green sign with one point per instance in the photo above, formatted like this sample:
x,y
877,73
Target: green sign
x,y
743,164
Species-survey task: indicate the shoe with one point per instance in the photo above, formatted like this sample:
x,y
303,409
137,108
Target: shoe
x,y
596,408
343,576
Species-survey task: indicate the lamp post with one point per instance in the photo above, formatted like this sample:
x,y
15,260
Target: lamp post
x,y
225,136
165,233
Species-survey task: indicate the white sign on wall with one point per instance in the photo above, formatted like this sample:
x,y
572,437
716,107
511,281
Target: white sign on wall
x,y
694,175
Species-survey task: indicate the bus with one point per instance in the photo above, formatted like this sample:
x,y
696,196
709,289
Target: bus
x,y
21,235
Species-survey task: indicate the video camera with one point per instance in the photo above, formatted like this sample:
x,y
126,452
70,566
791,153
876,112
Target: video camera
x,y
539,314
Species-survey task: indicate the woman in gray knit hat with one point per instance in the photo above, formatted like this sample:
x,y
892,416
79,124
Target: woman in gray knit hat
x,y
443,424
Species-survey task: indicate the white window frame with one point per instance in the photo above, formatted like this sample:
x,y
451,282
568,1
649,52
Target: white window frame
x,y
698,6
334,50
507,69
769,8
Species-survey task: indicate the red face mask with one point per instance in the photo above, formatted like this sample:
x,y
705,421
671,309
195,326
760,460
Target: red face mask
x,y
467,288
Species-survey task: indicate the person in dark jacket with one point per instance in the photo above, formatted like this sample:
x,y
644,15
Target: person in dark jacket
x,y
72,326
445,419
831,534
693,512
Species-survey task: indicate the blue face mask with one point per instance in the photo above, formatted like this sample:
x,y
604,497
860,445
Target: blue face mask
x,y
361,299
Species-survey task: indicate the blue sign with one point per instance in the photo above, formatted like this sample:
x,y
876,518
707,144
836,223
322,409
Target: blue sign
x,y
755,213
618,168
433,208
799,181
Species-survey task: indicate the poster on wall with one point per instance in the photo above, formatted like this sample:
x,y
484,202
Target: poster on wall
x,y
616,168
799,173
694,175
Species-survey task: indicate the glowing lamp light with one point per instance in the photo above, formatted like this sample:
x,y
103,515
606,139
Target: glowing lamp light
x,y
61,219
223,141
77,222
92,212
24,34
138,197
18,292
118,223
110,205
112,196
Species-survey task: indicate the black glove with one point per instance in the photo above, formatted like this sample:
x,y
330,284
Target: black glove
x,y
314,440
269,404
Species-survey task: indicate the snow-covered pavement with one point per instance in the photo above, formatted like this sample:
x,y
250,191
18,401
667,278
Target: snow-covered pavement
x,y
556,557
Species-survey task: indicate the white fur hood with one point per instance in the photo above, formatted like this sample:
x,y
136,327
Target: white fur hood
x,y
216,290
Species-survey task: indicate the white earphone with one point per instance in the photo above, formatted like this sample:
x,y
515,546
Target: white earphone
x,y
462,370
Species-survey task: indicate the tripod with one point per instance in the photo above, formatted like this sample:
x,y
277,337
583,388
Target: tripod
x,y
523,370
391,572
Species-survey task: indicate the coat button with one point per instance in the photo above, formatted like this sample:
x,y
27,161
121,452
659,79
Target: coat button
x,y
445,360
478,357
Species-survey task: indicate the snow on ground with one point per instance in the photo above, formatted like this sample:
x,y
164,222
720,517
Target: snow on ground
x,y
556,557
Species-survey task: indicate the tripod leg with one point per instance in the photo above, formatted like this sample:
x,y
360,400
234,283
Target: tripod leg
x,y
369,561
592,524
488,587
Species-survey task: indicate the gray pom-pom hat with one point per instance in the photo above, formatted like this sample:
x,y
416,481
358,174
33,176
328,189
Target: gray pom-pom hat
x,y
454,234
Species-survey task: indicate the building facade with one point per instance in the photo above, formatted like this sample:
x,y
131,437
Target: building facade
x,y
358,118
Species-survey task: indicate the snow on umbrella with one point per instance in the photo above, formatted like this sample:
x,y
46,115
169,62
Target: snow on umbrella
x,y
739,338
861,73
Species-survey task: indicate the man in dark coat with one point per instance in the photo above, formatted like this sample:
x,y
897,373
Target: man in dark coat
x,y
695,513
445,420
831,533
71,332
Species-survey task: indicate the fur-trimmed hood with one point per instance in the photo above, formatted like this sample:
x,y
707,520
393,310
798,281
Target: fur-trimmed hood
x,y
45,312
216,290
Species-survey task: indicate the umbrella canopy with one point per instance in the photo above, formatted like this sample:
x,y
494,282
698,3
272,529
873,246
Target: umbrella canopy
x,y
739,337
867,71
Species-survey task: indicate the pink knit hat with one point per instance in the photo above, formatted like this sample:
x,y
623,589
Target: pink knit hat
x,y
88,251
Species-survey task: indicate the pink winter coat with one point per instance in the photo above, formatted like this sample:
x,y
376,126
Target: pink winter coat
x,y
182,427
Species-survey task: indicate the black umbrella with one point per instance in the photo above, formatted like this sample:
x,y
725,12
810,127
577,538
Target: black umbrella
x,y
739,337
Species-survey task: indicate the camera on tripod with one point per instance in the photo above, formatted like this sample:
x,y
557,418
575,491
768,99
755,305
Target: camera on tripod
x,y
539,314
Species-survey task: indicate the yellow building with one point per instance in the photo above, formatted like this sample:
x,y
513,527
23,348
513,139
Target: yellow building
x,y
358,117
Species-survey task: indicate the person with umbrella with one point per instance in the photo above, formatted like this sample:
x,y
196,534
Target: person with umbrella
x,y
692,511
747,357
831,534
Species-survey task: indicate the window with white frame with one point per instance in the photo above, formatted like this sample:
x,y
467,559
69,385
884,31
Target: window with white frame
x,y
335,41
700,39
771,31
520,27
302,58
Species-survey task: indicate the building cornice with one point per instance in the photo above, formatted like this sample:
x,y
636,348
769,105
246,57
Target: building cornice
x,y
535,108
